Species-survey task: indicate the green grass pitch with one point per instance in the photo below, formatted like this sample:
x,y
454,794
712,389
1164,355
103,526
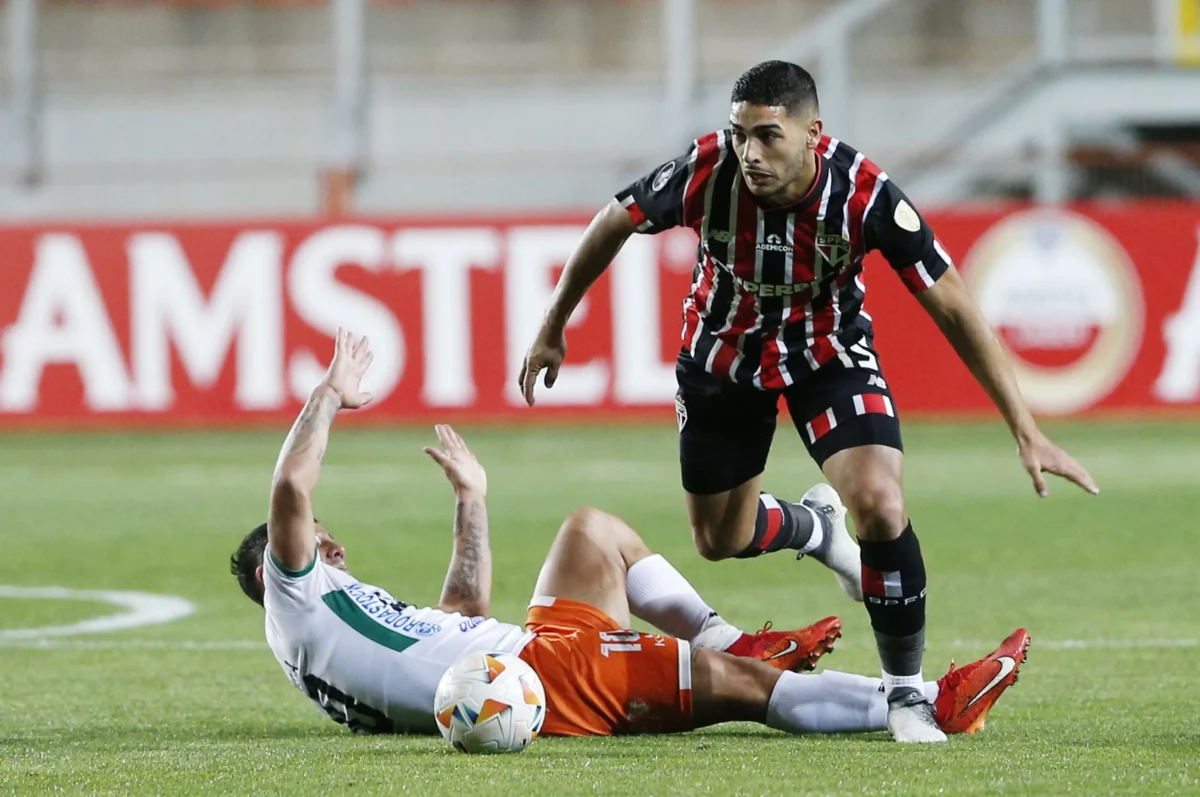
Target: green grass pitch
x,y
1108,702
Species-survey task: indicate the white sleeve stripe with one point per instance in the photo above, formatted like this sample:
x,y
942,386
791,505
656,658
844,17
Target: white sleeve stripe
x,y
928,280
938,248
879,181
853,180
685,665
693,156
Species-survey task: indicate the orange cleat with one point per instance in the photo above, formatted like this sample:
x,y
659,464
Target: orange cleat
x,y
966,695
789,650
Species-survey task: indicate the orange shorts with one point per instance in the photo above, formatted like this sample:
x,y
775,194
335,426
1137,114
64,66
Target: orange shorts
x,y
601,679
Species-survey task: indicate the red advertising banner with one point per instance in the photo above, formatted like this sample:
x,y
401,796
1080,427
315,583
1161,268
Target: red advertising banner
x,y
218,324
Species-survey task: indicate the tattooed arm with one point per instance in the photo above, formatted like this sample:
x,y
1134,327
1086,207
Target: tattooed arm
x,y
468,587
291,530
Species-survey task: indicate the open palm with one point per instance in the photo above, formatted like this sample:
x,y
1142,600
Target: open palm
x,y
461,467
351,358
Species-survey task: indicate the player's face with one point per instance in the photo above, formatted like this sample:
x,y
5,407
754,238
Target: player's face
x,y
332,554
774,148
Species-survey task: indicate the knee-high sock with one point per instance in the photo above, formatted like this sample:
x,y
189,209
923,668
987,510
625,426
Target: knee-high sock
x,y
781,525
893,581
831,702
660,595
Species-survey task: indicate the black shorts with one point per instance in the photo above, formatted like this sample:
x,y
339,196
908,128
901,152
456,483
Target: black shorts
x,y
725,428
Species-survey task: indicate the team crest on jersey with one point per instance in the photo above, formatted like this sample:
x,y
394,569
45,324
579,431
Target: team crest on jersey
x,y
834,250
721,236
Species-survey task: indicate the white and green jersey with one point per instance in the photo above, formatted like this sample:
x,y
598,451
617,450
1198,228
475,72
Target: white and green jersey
x,y
370,662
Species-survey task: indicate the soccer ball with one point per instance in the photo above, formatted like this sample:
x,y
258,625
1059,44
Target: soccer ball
x,y
490,703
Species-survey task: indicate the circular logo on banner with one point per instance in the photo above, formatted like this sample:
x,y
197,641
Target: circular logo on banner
x,y
1064,297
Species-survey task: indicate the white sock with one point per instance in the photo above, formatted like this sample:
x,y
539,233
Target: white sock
x,y
818,531
717,635
831,702
660,595
892,681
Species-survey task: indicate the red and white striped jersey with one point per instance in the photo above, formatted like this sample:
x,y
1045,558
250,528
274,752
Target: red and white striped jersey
x,y
778,292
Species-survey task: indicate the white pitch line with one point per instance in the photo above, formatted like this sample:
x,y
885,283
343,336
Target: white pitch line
x,y
142,609
1092,644
133,644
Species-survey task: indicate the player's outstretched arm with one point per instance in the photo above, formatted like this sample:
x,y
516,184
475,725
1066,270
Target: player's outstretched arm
x,y
291,530
601,242
468,585
950,305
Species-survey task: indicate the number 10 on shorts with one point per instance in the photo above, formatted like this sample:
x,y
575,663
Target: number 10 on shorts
x,y
620,642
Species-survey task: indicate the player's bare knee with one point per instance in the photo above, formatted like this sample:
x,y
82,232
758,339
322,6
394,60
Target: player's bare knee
x,y
878,510
614,534
586,521
600,529
583,550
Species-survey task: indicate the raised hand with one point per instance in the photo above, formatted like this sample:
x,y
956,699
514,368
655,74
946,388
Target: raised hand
x,y
351,358
461,467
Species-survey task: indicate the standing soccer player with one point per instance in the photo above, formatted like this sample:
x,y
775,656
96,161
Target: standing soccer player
x,y
785,216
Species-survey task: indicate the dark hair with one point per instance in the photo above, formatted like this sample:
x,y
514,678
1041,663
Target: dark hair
x,y
246,560
777,83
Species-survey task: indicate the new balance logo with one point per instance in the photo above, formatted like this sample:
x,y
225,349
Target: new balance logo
x,y
877,381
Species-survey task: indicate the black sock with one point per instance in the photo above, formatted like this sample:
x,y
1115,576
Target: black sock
x,y
779,525
894,592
